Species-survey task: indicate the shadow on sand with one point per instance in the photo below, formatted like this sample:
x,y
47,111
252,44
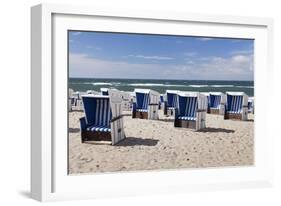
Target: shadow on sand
x,y
210,129
133,141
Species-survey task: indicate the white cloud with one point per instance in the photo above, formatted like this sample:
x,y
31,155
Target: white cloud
x,y
237,67
151,57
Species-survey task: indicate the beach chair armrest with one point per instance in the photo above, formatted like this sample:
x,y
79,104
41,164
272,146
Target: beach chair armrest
x,y
116,118
83,123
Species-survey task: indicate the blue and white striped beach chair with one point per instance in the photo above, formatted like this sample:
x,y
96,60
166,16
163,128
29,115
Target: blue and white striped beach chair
x,y
76,101
161,101
191,110
103,118
251,105
217,101
104,91
236,106
146,105
171,102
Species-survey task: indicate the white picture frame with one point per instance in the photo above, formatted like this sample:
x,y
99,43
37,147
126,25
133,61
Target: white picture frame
x,y
49,179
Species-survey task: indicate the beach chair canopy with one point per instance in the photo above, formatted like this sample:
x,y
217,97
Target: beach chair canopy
x,y
236,101
189,103
97,112
172,98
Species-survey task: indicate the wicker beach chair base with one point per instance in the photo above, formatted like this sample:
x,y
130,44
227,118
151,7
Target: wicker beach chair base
x,y
95,136
185,124
233,116
214,111
141,115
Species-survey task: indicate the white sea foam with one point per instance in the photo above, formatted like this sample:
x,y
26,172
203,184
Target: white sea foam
x,y
102,83
198,86
222,86
155,85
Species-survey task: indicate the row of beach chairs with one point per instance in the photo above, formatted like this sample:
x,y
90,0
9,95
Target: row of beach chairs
x,y
104,110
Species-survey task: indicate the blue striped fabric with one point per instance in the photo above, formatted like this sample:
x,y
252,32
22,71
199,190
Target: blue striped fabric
x,y
172,100
187,108
142,110
98,129
142,100
215,101
97,111
234,104
187,118
161,98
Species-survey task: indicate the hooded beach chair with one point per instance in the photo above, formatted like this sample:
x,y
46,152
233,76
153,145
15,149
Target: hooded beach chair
x,y
103,119
70,94
191,110
146,105
216,103
251,105
76,101
171,102
236,106
104,91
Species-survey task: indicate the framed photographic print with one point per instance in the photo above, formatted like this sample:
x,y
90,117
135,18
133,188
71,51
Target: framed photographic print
x,y
135,102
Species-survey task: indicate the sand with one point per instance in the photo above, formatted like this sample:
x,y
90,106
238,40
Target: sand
x,y
157,145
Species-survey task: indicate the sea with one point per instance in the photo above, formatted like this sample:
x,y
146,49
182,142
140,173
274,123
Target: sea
x,y
84,84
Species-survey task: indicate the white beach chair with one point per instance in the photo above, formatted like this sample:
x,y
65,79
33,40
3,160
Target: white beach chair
x,y
170,102
216,103
236,106
146,105
103,119
251,105
191,110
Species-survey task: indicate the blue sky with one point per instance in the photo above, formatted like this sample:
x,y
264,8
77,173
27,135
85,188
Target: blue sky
x,y
116,55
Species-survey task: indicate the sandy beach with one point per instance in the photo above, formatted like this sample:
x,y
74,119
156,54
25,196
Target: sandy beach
x,y
157,145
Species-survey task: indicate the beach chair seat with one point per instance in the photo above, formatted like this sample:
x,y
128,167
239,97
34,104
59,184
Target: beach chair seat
x,y
103,118
236,106
187,118
146,105
98,128
191,110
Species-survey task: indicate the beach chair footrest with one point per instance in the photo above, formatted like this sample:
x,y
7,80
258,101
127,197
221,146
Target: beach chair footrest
x,y
95,136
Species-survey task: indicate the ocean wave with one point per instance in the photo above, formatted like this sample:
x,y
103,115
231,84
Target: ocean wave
x,y
221,85
198,86
155,85
249,87
102,83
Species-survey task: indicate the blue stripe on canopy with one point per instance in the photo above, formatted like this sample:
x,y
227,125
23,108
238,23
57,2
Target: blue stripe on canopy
x,y
97,111
215,101
171,100
187,106
142,100
234,103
